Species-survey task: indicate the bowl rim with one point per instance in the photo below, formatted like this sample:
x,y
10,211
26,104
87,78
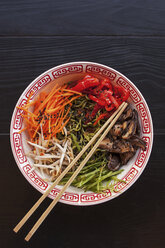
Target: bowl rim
x,y
143,100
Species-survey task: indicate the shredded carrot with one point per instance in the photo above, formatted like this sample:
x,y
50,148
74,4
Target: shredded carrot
x,y
28,121
26,110
30,95
74,98
47,99
42,95
53,110
22,130
75,92
61,128
49,124
37,128
49,110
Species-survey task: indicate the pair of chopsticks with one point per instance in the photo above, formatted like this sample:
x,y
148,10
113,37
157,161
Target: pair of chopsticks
x,y
111,121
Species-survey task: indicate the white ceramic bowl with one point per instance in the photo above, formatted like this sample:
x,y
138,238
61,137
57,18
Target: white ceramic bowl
x,y
70,72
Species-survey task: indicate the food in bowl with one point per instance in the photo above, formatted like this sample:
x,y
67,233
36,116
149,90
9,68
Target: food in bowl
x,y
61,122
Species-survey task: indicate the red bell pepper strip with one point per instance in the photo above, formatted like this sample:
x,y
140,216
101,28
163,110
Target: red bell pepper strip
x,y
96,108
125,95
108,92
105,83
109,108
108,101
87,82
101,102
87,115
95,91
105,95
114,101
121,92
102,116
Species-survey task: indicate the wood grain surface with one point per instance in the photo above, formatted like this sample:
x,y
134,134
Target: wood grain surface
x,y
140,59
83,17
126,35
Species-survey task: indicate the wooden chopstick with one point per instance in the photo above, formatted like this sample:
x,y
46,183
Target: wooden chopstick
x,y
47,211
41,199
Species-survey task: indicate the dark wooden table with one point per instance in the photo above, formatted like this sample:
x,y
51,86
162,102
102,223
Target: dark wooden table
x,y
126,35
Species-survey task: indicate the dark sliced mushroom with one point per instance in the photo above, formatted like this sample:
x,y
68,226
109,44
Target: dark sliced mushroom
x,y
136,119
114,138
117,130
123,139
121,146
125,157
129,128
138,128
111,138
138,142
135,116
106,144
117,146
127,114
114,162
